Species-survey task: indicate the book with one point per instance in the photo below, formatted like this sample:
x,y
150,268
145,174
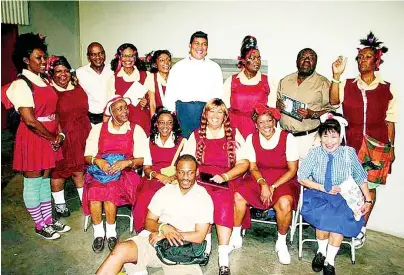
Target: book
x,y
291,106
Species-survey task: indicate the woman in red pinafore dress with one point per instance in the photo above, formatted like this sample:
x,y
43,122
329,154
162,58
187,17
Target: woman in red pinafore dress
x,y
72,109
160,67
370,106
128,77
116,136
165,139
243,90
37,142
219,149
272,181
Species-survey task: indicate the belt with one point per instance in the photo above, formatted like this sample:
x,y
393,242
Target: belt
x,y
304,133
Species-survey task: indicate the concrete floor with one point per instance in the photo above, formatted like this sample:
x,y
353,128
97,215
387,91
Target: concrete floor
x,y
24,252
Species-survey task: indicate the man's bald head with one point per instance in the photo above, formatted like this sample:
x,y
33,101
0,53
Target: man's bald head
x,y
96,55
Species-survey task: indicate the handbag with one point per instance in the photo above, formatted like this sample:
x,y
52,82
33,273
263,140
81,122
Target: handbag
x,y
170,170
13,117
100,175
187,254
351,192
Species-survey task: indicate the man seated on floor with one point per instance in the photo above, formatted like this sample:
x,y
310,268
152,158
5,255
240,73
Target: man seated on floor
x,y
181,212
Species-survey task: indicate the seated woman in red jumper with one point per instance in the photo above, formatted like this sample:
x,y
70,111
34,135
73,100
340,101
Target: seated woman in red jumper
x,y
156,81
248,87
219,149
112,184
272,181
165,142
128,81
72,109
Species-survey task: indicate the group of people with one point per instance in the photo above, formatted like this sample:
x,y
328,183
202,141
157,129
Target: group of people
x,y
187,151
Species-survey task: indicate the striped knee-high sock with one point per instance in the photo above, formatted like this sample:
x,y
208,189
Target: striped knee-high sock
x,y
31,200
45,199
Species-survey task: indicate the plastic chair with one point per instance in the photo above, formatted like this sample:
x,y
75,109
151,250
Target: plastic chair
x,y
300,224
87,219
292,226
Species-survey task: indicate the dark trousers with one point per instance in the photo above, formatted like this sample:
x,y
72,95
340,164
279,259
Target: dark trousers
x,y
95,118
189,115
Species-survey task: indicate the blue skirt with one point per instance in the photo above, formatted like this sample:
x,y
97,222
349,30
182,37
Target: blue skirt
x,y
330,213
189,115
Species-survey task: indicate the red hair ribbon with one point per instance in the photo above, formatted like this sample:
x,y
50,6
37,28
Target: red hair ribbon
x,y
378,55
261,109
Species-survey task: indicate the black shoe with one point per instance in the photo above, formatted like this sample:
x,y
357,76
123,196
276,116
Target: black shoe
x,y
318,262
62,210
328,269
224,270
98,244
112,241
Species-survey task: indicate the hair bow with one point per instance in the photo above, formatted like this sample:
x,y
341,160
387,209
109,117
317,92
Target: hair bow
x,y
261,109
341,120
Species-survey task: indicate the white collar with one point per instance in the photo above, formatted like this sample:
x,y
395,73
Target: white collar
x,y
61,89
34,78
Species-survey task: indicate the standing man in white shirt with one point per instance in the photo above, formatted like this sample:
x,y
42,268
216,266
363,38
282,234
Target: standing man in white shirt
x,y
93,77
192,82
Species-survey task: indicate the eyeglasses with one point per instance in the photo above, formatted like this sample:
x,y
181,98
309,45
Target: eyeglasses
x,y
128,56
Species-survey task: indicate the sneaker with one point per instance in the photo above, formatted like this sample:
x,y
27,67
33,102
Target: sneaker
x,y
60,227
62,210
328,269
359,241
47,232
224,270
236,242
318,262
283,253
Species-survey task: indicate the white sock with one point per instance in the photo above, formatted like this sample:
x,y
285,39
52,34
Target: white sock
x,y
111,230
236,232
322,246
59,197
99,230
281,239
331,254
208,239
80,191
363,229
223,255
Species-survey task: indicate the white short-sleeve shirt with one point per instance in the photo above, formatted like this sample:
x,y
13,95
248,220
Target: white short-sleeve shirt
x,y
182,211
292,149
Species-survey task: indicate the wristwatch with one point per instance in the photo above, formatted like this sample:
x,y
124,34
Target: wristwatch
x,y
315,115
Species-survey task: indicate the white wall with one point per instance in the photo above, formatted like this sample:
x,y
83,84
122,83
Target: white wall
x,y
282,29
59,22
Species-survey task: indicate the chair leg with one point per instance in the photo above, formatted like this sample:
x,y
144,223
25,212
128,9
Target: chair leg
x,y
86,222
353,256
131,221
300,237
293,229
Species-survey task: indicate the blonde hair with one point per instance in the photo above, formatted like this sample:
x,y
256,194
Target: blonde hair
x,y
228,132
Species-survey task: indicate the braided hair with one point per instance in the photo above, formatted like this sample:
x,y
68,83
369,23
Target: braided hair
x,y
247,46
160,110
230,146
24,46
